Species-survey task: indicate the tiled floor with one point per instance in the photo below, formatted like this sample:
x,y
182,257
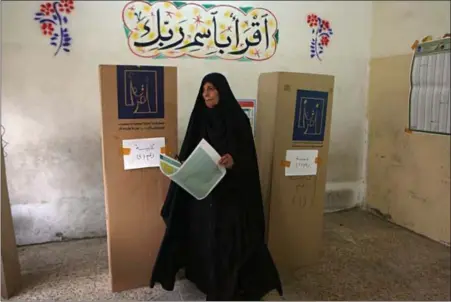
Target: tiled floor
x,y
364,258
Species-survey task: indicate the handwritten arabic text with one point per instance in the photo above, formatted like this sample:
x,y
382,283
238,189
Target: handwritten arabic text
x,y
162,29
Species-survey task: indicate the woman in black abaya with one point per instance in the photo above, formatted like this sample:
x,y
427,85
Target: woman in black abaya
x,y
219,240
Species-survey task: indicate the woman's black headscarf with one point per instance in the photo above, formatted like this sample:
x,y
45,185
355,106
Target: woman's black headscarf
x,y
227,128
212,123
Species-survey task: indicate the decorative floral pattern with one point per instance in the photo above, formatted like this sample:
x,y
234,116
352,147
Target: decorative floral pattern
x,y
321,32
52,17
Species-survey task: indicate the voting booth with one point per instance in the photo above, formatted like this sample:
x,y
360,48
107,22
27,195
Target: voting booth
x,y
292,141
11,276
139,116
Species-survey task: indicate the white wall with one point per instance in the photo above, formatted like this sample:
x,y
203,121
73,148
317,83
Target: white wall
x,y
51,106
397,24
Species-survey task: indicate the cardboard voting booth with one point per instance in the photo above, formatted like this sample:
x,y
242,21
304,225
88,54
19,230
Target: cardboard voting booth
x,y
292,141
11,276
139,117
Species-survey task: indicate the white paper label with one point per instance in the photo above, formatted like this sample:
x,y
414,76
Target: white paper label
x,y
144,153
302,162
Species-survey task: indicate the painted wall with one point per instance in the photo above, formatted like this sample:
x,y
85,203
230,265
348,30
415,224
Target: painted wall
x,y
408,174
397,24
51,106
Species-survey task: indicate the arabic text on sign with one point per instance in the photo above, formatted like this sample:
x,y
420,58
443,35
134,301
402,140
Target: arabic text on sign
x,y
162,29
144,153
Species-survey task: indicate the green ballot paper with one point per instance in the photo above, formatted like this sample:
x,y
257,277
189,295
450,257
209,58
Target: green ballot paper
x,y
199,174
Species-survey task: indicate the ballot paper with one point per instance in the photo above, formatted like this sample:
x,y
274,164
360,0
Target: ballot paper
x,y
199,174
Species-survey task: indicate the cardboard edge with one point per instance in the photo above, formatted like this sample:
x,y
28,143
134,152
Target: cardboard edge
x,y
103,70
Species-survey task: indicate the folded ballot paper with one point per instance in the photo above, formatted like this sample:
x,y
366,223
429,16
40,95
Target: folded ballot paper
x,y
199,174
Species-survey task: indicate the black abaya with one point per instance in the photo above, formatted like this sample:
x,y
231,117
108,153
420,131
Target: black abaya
x,y
219,240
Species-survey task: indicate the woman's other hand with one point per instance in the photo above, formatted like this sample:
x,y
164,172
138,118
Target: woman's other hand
x,y
226,161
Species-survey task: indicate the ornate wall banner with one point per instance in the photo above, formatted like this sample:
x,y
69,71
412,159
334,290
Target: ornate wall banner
x,y
163,29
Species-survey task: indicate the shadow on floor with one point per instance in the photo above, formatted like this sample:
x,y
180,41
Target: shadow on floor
x,y
364,258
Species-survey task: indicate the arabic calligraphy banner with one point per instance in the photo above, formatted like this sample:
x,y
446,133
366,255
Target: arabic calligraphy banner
x,y
165,29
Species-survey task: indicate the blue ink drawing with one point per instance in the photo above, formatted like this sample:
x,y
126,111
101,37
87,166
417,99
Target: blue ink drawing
x,y
310,116
140,92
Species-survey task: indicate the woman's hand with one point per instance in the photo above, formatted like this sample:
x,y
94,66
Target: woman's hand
x,y
226,161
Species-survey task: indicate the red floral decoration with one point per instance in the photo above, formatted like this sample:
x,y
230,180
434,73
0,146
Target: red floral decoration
x,y
322,32
324,40
47,8
312,20
52,17
47,28
66,6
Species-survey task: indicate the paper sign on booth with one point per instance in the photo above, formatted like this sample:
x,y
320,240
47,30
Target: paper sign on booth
x,y
142,153
302,162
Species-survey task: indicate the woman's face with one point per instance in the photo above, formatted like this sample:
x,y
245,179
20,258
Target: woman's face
x,y
210,94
